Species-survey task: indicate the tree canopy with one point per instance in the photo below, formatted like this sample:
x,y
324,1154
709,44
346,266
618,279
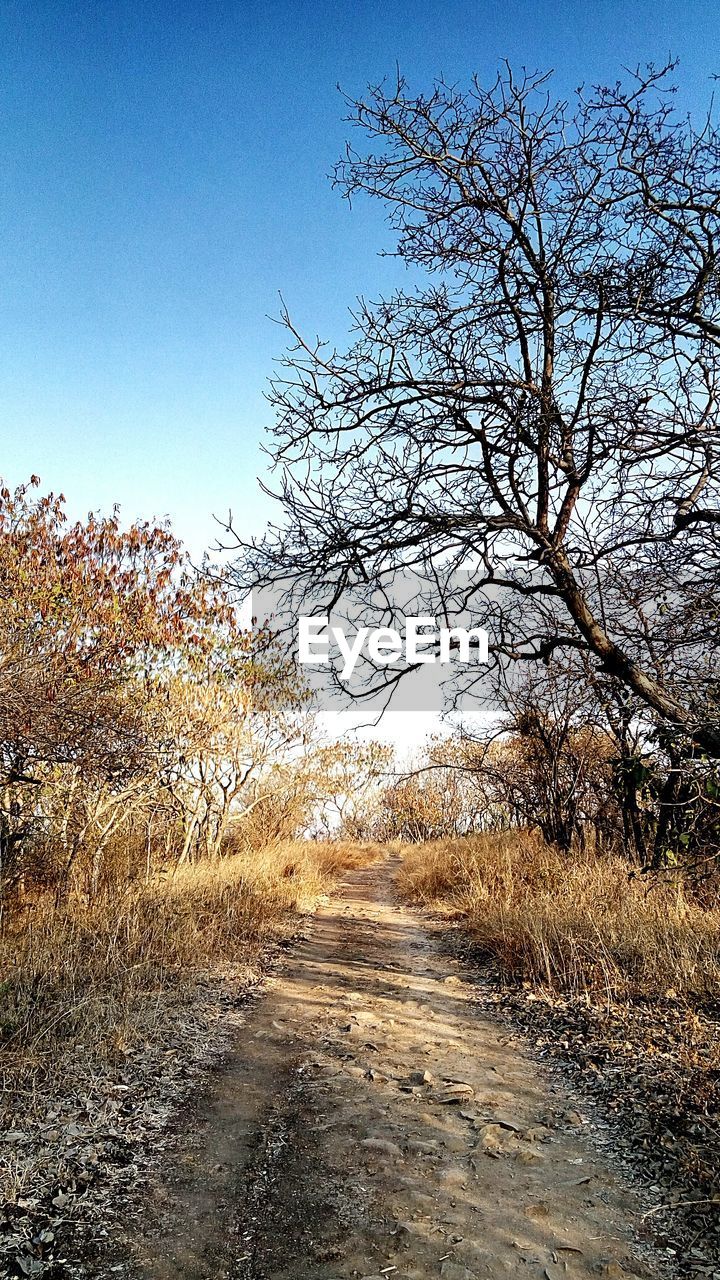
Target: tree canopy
x,y
542,402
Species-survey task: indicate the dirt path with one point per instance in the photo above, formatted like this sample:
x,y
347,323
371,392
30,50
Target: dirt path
x,y
332,1144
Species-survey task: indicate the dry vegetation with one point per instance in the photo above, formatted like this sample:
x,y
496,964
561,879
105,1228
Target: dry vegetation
x,y
617,975
111,1013
157,764
94,974
577,925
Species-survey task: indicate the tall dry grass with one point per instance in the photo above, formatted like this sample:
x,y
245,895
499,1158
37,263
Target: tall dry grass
x,y
92,977
569,923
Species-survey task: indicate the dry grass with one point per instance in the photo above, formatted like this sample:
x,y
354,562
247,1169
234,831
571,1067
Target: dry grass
x,y
574,924
131,998
92,976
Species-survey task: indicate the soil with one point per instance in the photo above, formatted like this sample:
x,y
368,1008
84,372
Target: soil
x,y
372,1121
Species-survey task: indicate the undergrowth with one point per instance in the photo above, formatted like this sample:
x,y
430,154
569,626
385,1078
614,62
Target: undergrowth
x,y
573,923
92,977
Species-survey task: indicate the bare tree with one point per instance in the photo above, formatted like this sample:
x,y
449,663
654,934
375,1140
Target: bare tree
x,y
543,401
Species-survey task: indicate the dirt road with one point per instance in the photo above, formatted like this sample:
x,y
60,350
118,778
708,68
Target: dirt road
x,y
371,1122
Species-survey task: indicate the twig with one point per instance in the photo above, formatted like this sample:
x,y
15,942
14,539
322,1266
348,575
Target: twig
x,y
681,1204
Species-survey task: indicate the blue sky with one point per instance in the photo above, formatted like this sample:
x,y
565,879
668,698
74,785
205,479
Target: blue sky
x,y
163,176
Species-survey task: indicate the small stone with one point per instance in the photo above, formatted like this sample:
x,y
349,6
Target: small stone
x,y
381,1145
537,1133
455,1271
456,1091
455,1142
538,1210
506,1121
572,1117
422,1148
529,1157
492,1140
453,1176
377,1077
408,1228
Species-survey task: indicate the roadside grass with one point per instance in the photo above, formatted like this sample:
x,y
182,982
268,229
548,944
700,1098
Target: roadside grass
x,y
616,976
111,1015
95,977
573,924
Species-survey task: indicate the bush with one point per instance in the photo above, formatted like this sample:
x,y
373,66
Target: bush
x,y
95,973
580,924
